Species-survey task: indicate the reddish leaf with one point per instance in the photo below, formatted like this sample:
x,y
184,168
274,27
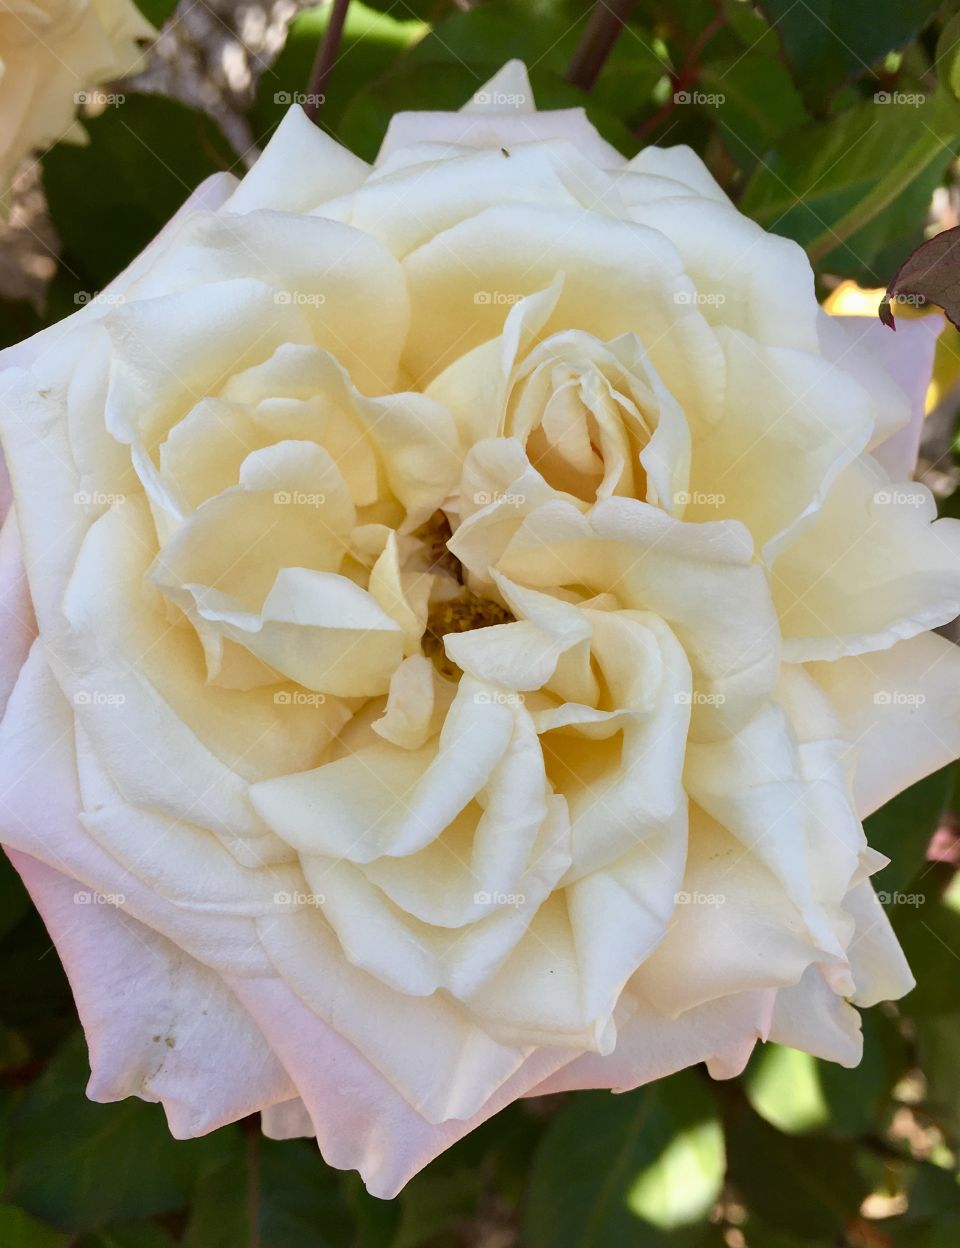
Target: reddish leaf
x,y
930,274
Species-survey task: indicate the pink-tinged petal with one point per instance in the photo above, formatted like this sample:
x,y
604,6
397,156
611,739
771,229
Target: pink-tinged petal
x,y
908,361
159,1025
16,610
651,1046
39,804
289,1120
810,1016
361,1121
900,710
5,496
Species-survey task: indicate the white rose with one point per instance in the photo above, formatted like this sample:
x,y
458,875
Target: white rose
x,y
51,52
468,696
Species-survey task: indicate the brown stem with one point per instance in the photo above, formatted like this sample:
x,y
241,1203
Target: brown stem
x,y
602,30
326,58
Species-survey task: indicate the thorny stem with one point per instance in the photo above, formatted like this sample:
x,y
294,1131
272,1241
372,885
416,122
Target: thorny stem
x,y
326,58
602,31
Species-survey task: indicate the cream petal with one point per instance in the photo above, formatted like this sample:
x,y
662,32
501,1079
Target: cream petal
x,y
893,571
620,278
651,1046
451,1077
299,169
681,164
900,709
788,417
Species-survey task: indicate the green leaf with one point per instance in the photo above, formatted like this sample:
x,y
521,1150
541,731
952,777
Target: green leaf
x,y
109,198
930,937
18,320
759,101
157,11
14,899
828,42
371,43
19,1230
643,1167
903,828
824,1188
285,1186
110,1163
133,1235
845,188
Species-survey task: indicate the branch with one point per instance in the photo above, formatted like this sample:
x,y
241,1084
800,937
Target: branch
x,y
326,58
601,33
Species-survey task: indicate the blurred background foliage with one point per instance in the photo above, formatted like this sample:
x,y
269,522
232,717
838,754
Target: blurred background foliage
x,y
833,122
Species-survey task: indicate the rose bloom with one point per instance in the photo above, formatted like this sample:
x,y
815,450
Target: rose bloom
x,y
477,599
50,52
